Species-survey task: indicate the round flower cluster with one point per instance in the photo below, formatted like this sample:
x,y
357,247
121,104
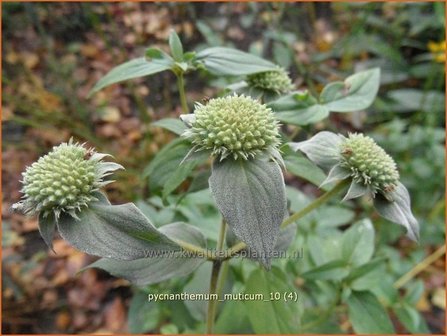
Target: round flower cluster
x,y
368,163
277,81
64,180
236,126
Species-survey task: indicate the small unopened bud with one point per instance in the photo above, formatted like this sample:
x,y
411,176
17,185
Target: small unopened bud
x,y
277,81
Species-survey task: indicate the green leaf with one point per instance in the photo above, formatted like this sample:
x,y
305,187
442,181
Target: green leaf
x,y
322,149
176,46
358,243
302,167
47,227
408,100
199,284
113,231
414,291
356,93
160,265
331,216
399,211
271,316
285,238
169,329
411,319
166,163
333,270
233,319
135,68
298,108
143,315
232,62
184,169
171,124
367,315
251,196
157,54
359,272
325,250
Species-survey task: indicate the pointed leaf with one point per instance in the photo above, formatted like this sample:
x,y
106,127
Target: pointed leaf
x,y
285,238
399,211
322,149
47,226
298,108
337,173
143,315
171,124
283,317
299,165
157,54
106,168
159,265
333,270
113,231
165,164
367,315
410,317
135,68
176,46
356,93
251,196
232,62
358,243
355,190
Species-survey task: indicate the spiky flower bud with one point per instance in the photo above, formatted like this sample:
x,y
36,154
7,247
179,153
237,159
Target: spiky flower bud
x,y
64,180
368,163
236,126
277,81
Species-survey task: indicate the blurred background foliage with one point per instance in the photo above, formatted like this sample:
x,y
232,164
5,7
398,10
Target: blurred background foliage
x,y
53,53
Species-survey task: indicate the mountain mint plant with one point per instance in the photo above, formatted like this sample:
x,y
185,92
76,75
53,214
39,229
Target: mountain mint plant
x,y
249,151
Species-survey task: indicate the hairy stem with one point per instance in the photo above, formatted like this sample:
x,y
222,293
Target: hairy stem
x,y
214,287
181,89
196,250
297,215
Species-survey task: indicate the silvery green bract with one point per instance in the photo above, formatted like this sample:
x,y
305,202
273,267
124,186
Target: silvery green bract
x,y
371,170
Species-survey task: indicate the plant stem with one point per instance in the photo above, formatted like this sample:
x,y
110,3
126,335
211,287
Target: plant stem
x,y
420,267
197,250
181,90
212,304
214,287
315,204
297,215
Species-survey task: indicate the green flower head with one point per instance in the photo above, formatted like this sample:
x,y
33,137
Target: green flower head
x,y
369,169
277,81
233,126
368,163
64,180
